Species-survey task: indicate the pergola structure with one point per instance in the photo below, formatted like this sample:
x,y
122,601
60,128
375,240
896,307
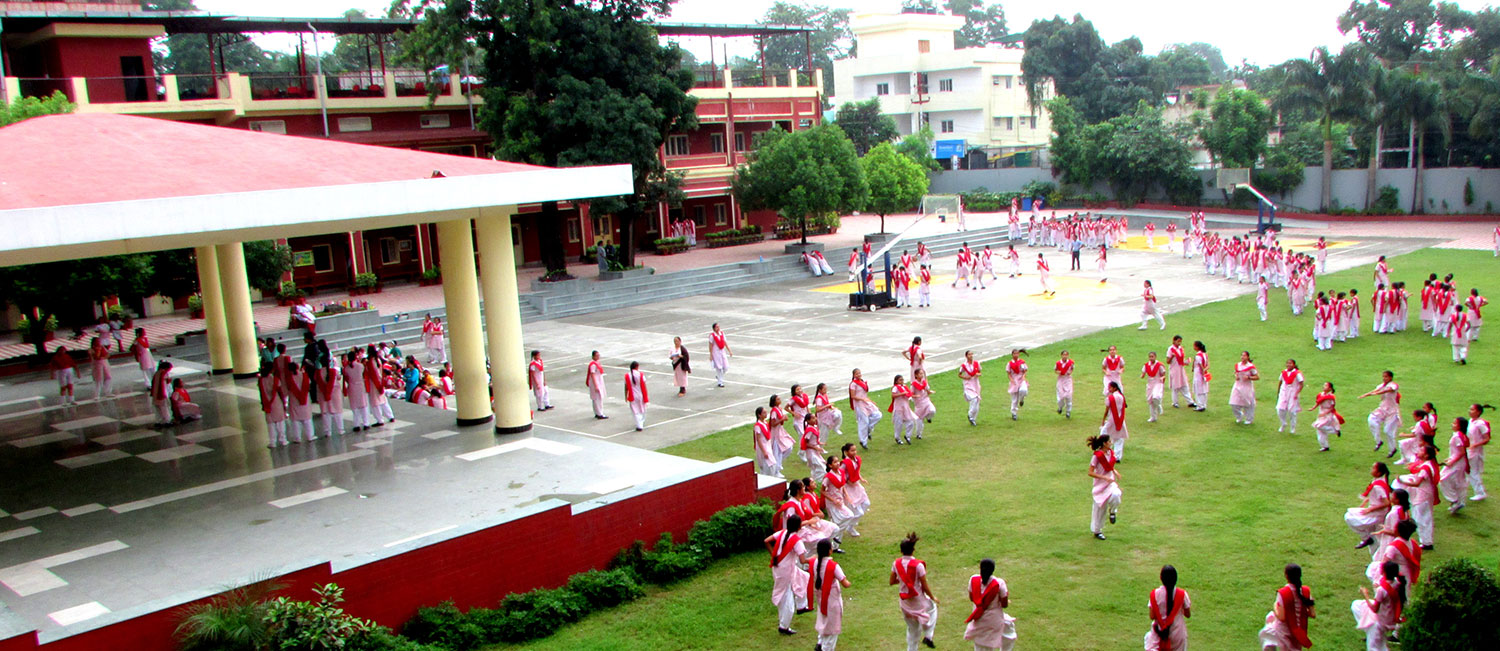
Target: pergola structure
x,y
88,185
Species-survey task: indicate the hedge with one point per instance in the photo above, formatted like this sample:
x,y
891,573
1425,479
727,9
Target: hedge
x,y
539,613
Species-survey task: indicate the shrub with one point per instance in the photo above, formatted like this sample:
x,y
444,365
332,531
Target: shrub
x,y
382,639
366,280
669,562
314,625
606,589
1468,192
233,621
445,626
1388,203
733,530
1456,607
288,289
116,311
195,302
537,614
432,273
1038,189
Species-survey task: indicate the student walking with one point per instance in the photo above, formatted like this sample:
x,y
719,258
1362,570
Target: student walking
x,y
969,373
1064,370
825,590
918,603
866,413
1242,396
1015,370
1169,607
988,626
1106,491
788,580
719,354
636,394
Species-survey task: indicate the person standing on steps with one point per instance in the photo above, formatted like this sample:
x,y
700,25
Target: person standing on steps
x,y
680,367
719,354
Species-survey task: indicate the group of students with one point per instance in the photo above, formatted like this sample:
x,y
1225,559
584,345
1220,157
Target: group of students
x,y
170,401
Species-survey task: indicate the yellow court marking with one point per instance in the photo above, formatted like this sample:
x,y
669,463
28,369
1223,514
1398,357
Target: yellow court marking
x,y
1308,244
879,284
1071,290
1299,244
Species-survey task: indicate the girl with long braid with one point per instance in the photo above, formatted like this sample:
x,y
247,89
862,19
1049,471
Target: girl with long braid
x,y
1169,607
1286,624
1378,615
825,592
988,627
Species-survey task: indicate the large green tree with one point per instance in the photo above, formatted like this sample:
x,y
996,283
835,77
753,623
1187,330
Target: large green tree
x,y
865,125
896,181
801,173
610,95
831,38
1102,81
983,23
918,147
67,290
1218,70
1235,132
1139,151
1396,31
1074,147
1418,100
188,54
1327,86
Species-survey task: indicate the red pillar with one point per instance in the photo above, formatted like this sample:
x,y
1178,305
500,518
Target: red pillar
x,y
585,224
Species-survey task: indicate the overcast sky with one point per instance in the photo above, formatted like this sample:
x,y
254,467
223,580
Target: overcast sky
x,y
1264,32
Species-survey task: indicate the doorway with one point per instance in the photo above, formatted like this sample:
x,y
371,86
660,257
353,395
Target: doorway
x,y
133,69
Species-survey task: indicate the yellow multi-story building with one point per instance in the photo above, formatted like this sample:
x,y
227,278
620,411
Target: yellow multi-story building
x,y
974,94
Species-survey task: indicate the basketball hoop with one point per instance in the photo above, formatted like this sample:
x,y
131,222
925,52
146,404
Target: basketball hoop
x,y
1230,178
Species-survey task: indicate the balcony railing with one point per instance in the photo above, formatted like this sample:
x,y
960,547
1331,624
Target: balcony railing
x,y
721,77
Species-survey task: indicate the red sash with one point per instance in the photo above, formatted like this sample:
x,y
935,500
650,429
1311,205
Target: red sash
x,y
971,370
851,468
1291,377
719,341
897,392
373,376
594,369
801,400
982,595
537,366
926,277
1162,622
1390,591
1296,613
1427,468
1412,554
1106,459
1114,363
1064,367
1016,367
266,399
918,386
830,567
1379,482
1117,414
907,573
779,518
1150,297
809,435
299,393
865,386
325,379
630,392
916,355
161,387
784,546
1152,369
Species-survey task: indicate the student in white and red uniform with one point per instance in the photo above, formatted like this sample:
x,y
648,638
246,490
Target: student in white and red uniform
x,y
987,263
1149,307
760,439
63,371
99,365
902,417
719,353
854,486
1177,376
537,381
1421,483
918,603
866,413
636,394
1015,371
1242,395
435,351
1429,289
141,349
1353,312
921,401
1106,491
1476,304
1458,335
161,392
1386,417
1325,321
183,407
594,379
1046,274
830,419
330,400
299,405
810,448
269,385
988,627
1201,376
962,264
854,264
969,373
914,356
901,286
1382,272
1479,438
1378,303
825,589
1169,607
1374,503
1112,423
354,388
1014,258
1064,370
1156,379
1322,251
1497,241
1286,624
1102,261
1289,397
1379,615
788,580
1453,481
924,255
782,439
924,287
1262,296
1113,367
1150,235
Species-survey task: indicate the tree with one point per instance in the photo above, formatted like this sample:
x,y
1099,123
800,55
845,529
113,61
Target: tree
x,y
1179,67
1396,31
919,7
188,54
30,107
897,183
1417,100
807,172
983,24
828,40
612,96
67,290
265,263
1280,173
865,125
1218,70
1323,84
1235,134
1139,152
1457,608
1102,81
1074,144
918,147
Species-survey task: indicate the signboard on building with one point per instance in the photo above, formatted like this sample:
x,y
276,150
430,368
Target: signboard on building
x,y
950,148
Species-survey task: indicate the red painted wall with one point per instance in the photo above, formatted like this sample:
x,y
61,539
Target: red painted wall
x,y
312,124
309,276
100,57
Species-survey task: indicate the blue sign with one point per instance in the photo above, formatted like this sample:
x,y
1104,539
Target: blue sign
x,y
948,148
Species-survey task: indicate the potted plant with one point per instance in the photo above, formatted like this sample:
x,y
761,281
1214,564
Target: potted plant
x,y
195,306
670,245
365,283
26,328
288,293
432,276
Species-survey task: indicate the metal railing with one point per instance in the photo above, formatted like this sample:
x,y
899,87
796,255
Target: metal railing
x,y
281,86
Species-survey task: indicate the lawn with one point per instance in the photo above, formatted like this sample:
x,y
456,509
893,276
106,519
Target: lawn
x,y
1227,505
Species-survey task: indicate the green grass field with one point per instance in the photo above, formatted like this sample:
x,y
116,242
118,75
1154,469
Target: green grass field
x,y
1227,505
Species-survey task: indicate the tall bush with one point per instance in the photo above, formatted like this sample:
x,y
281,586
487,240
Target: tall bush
x,y
1457,607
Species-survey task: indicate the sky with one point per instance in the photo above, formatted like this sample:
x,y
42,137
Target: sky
x,y
1264,32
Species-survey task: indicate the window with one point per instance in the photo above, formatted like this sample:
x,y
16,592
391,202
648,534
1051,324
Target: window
x,y
946,126
604,227
269,126
574,234
1005,123
945,85
322,255
883,89
1004,81
721,216
739,142
921,83
698,216
435,121
804,123
716,143
1028,122
390,251
924,46
354,124
677,145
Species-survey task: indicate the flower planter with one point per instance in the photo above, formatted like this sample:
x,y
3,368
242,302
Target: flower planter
x,y
428,282
671,249
567,286
195,314
719,242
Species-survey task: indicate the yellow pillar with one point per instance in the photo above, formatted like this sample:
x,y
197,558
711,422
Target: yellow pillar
x,y
465,338
502,319
213,309
239,319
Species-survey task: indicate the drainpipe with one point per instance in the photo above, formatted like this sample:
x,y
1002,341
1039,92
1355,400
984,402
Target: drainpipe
x,y
323,96
2,65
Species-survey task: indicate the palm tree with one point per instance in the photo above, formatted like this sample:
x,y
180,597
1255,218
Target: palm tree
x,y
1419,101
1374,110
1328,86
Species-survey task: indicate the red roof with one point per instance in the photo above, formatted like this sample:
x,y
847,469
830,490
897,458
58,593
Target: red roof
x,y
75,159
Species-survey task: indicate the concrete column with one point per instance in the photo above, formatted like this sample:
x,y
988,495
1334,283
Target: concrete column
x,y
238,317
465,336
213,309
502,317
